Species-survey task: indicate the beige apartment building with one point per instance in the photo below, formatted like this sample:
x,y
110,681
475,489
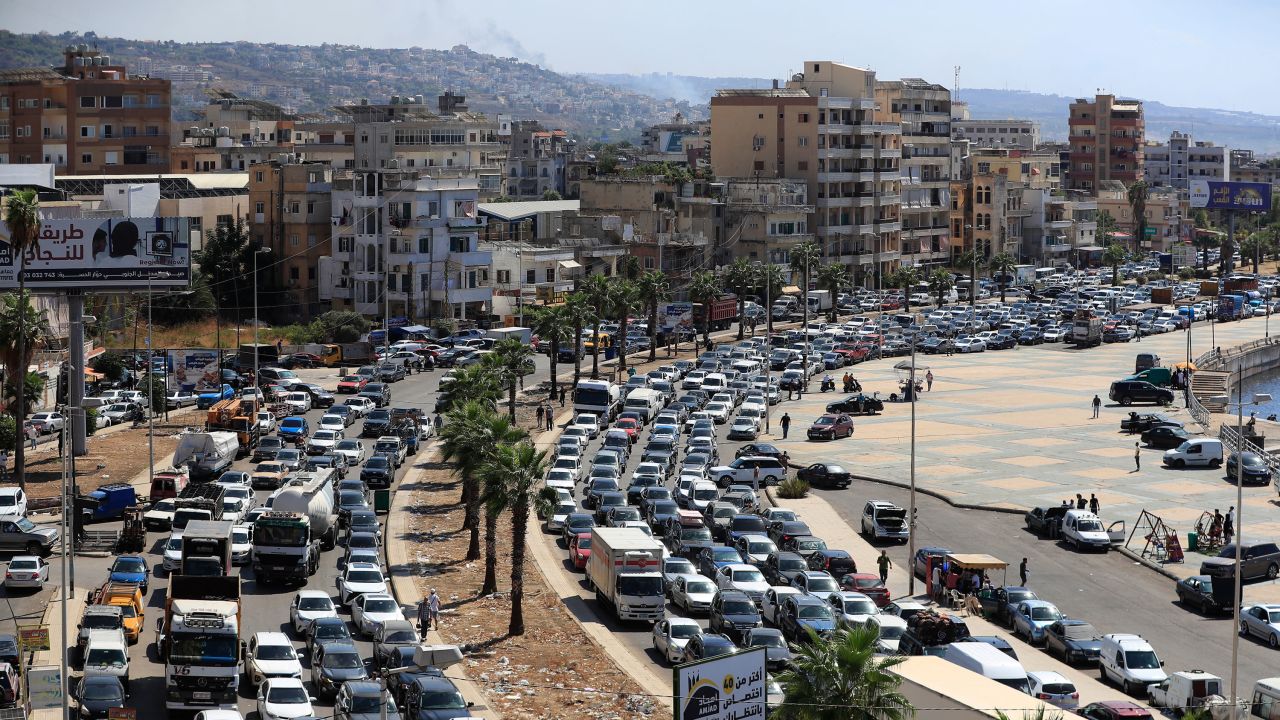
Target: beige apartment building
x,y
1168,217
289,214
924,111
1106,136
234,133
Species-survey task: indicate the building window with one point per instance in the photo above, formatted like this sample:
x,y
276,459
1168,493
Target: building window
x,y
293,240
225,221
311,240
294,206
802,165
802,141
311,272
311,206
111,158
550,274
759,165
530,277
293,272
504,277
129,131
87,131
258,176
760,116
984,167
649,262
804,117
458,244
88,101
259,207
424,245
86,158
153,131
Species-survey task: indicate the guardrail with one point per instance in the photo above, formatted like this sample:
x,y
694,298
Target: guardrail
x,y
1198,412
1235,441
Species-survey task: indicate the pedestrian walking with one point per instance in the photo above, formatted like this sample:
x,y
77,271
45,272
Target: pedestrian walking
x,y
541,411
928,378
438,422
936,581
884,563
1229,525
433,608
1137,457
33,435
755,478
1093,503
1097,406
424,617
4,466
550,417
561,396
1081,503
1022,572
786,425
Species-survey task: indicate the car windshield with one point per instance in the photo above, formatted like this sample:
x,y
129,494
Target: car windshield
x,y
584,543
315,603
364,576
100,691
287,695
342,661
95,620
105,656
739,607
759,548
1089,526
695,534
175,544
815,612
705,494
767,640
1044,613
890,632
747,576
640,585
449,699
25,525
825,421
400,636
725,554
683,631
276,652
819,585
859,607
129,565
377,462
1141,660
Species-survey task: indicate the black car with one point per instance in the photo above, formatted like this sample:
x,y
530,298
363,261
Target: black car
x,y
859,404
1075,641
1031,336
836,563
801,613
777,654
1165,437
1197,592
706,645
378,392
607,500
825,474
1001,342
637,486
733,613
377,424
1142,422
1253,470
997,603
320,398
1046,521
658,512
782,530
98,695
762,449
391,372
1127,392
378,471
780,567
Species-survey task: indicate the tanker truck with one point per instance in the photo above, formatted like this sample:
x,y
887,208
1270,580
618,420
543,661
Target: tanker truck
x,y
303,519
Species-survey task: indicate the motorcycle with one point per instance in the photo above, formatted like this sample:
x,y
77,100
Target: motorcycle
x,y
828,384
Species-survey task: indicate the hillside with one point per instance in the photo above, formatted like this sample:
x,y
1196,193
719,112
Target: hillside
x,y
310,78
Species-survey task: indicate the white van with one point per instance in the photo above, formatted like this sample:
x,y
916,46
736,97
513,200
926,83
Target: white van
x,y
1202,452
715,382
1265,703
1130,661
988,662
1083,530
644,401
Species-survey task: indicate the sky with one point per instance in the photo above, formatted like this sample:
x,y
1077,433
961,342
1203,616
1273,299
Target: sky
x,y
1175,51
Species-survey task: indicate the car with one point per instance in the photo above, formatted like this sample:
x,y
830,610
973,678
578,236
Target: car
x,y
831,427
1075,641
268,475
1251,471
125,568
48,422
852,609
1046,521
580,550
806,616
868,584
1030,618
754,549
1137,422
780,531
1115,710
732,613
117,413
926,557
744,428
762,450
825,474
26,571
997,603
333,663
1256,560
371,610
576,524
324,631
362,700
13,503
706,645
159,517
98,695
815,582
283,699
352,449
1127,392
670,636
836,563
1262,621
431,696
24,535
1196,592
884,521
780,567
270,655
1053,688
309,606
389,636
295,429
1166,437
358,579
692,593
378,471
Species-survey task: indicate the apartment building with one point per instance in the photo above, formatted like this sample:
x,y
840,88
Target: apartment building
x,y
86,117
407,247
1002,205
668,227
1176,162
680,141
1246,168
526,275
290,215
1067,225
233,134
1168,217
1107,136
1014,134
536,161
924,111
764,219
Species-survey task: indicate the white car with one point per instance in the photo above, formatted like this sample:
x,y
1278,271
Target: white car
x,y
718,411
779,513
324,440
558,477
744,428
48,422
360,405
671,635
234,508
353,449
570,465
852,608
241,544
755,549
310,605
26,571
890,629
173,553
270,655
180,399
740,576
692,593
588,420
969,345
332,422
371,610
1261,620
13,503
358,579
1053,688
773,599
160,515
284,699
266,422
559,513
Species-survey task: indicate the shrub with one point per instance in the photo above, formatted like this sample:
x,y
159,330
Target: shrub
x,y
792,488
8,432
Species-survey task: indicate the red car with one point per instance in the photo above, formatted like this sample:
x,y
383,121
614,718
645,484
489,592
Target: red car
x,y
831,427
580,550
352,383
631,425
868,584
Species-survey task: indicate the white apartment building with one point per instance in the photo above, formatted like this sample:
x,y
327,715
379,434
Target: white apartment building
x,y
1175,163
1014,134
525,275
407,247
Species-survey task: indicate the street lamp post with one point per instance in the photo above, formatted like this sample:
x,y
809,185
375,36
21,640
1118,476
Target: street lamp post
x,y
911,511
256,253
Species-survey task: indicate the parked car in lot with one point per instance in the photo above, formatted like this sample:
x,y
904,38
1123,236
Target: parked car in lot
x,y
825,474
1249,467
1262,621
1127,392
1075,641
1196,592
831,427
1256,560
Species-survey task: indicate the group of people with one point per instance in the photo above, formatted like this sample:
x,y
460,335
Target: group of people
x,y
547,416
1221,528
945,579
1092,504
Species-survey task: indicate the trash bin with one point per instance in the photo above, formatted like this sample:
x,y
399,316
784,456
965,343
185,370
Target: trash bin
x,y
1193,540
610,353
382,500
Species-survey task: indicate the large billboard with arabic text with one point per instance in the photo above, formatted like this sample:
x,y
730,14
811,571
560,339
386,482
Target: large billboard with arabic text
x,y
101,254
725,687
1220,195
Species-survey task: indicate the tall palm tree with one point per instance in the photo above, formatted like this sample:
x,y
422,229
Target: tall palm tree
x,y
551,325
577,313
805,258
630,267
653,288
940,281
21,325
1205,244
462,443
905,278
1115,255
510,361
1255,247
704,288
771,283
740,277
1137,194
1002,263
833,278
597,289
474,383
969,260
22,215
623,299
511,480
843,679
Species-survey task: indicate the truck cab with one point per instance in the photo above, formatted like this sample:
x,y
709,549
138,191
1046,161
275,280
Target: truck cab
x,y
107,653
98,617
107,502
1185,689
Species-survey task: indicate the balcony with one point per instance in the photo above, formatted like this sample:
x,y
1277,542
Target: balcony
x,y
836,201
837,153
463,295
882,128
834,177
1019,212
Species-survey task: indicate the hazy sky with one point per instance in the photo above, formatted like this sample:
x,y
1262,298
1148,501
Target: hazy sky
x,y
1203,54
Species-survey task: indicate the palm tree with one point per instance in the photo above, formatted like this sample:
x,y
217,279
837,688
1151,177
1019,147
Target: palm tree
x,y
475,383
577,313
511,480
1204,244
842,679
740,277
510,361
597,288
22,215
904,278
970,259
833,278
1115,255
33,325
630,267
771,283
1138,203
462,443
623,299
653,288
1002,263
551,325
1106,226
704,288
940,281
1255,247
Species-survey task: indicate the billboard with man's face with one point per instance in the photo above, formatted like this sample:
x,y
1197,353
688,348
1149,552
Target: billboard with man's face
x,y
101,254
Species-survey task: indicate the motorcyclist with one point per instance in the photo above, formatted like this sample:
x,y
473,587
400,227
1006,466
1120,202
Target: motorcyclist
x,y
828,383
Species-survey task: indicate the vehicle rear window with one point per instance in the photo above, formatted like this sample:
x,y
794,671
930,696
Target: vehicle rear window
x,y
1058,688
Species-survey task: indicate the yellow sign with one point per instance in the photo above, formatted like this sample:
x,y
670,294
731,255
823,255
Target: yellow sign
x,y
34,638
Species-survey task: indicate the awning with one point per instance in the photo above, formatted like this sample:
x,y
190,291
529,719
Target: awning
x,y
415,328
790,290
92,376
977,562
1184,365
1091,248
570,264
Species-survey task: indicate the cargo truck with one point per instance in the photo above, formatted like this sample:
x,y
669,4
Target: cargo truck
x,y
206,548
199,640
239,416
1086,330
1231,307
819,301
624,571
199,501
302,521
722,313
523,334
206,455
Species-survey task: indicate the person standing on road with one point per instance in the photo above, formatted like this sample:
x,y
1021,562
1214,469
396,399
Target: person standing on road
x,y
1022,572
1097,406
1229,525
433,608
786,424
936,578
550,417
928,378
562,396
424,617
1093,503
1081,503
1137,457
884,563
541,411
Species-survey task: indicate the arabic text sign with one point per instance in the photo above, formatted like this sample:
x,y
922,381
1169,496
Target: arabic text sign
x,y
675,315
728,687
44,688
1242,196
34,638
194,370
101,254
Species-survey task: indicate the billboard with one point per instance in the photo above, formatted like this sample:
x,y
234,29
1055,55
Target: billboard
x,y
726,687
193,370
44,688
1242,196
675,315
102,254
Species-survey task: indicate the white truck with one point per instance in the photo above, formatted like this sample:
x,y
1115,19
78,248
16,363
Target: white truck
x,y
819,300
1188,689
206,454
523,334
624,569
199,641
598,397
303,520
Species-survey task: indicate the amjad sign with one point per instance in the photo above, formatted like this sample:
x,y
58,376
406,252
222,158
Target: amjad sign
x,y
1240,196
194,371
725,687
101,254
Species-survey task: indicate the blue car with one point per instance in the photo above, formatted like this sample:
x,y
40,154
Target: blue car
x,y
294,428
711,559
209,397
1031,618
131,569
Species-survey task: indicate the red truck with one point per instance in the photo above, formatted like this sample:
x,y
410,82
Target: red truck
x,y
724,312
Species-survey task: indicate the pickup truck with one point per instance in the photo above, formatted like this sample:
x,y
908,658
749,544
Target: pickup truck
x,y
1182,690
23,535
